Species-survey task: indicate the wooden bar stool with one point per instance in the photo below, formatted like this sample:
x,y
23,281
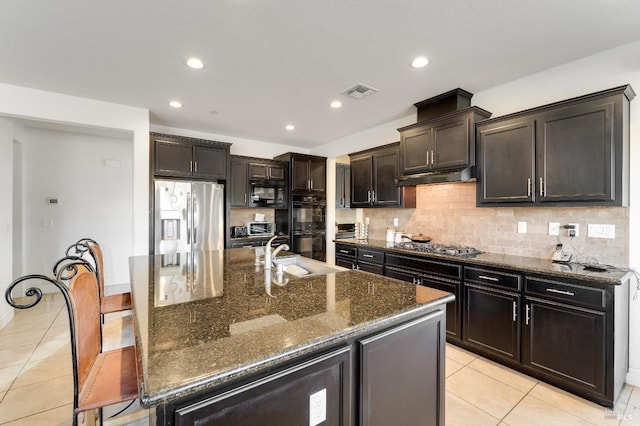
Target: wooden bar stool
x,y
100,378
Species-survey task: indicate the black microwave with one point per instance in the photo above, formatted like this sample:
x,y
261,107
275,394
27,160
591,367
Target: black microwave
x,y
266,193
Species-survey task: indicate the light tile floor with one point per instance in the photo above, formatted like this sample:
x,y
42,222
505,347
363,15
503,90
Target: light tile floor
x,y
36,386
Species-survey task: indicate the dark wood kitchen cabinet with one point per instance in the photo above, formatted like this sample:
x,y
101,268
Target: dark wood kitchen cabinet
x,y
248,170
178,156
445,142
373,174
436,274
238,182
570,153
308,173
266,170
415,350
343,186
492,311
360,259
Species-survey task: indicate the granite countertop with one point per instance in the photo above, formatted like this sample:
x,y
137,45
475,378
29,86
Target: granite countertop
x,y
208,318
613,275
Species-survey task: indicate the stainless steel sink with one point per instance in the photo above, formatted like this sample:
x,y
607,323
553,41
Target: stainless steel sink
x,y
305,267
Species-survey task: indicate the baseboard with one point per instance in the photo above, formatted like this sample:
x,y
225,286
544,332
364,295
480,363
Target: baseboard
x,y
633,377
6,317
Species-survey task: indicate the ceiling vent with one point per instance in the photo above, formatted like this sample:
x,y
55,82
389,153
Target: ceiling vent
x,y
359,91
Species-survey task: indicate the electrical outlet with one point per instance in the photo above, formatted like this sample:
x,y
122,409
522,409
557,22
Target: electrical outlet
x,y
576,229
522,227
554,228
318,407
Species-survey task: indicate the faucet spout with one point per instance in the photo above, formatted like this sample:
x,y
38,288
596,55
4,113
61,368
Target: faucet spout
x,y
268,261
278,250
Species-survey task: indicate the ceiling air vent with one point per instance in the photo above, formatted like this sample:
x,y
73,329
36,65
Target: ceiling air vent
x,y
359,91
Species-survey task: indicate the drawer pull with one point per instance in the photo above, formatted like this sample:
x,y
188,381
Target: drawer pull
x,y
514,310
367,255
566,293
344,251
484,277
527,318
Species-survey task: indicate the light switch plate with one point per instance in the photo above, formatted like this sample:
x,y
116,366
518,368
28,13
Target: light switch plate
x,y
554,228
601,231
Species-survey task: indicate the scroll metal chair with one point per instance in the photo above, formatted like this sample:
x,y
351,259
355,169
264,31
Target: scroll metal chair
x,y
108,304
100,378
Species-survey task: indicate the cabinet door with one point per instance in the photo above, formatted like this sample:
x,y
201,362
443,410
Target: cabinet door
x,y
318,175
238,185
454,309
258,171
416,146
210,162
451,143
371,267
492,321
276,172
346,263
505,163
565,343
416,353
361,181
173,158
282,398
340,186
300,173
575,153
385,171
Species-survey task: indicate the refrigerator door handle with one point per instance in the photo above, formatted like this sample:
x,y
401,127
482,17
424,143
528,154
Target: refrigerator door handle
x,y
195,201
189,216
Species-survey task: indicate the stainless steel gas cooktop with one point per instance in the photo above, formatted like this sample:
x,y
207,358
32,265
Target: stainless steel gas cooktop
x,y
448,249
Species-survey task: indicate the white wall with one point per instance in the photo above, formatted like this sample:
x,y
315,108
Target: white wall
x,y
91,176
6,215
608,69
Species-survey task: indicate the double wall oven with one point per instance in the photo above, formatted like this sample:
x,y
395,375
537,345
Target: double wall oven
x,y
308,222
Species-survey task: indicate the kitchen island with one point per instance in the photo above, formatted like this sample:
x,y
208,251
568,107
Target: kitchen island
x,y
222,341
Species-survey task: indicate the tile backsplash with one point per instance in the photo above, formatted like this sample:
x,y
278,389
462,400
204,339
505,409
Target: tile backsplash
x,y
448,213
239,217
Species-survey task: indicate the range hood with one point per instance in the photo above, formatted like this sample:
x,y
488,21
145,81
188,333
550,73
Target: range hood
x,y
444,107
441,176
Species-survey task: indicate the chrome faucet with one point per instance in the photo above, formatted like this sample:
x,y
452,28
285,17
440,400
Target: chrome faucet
x,y
268,261
276,251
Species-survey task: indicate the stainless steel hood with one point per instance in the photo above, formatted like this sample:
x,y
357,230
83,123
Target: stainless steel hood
x,y
441,176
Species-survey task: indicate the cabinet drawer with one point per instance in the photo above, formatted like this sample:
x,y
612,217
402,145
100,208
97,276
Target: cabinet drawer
x,y
346,251
420,264
571,293
371,256
493,278
371,267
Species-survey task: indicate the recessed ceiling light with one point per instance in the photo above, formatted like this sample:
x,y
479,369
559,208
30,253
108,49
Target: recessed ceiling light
x,y
420,62
195,63
336,104
175,104
290,127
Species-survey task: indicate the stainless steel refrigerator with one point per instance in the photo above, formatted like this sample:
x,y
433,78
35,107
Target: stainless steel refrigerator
x,y
189,216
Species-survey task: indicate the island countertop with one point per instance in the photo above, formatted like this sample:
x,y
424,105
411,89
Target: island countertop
x,y
208,318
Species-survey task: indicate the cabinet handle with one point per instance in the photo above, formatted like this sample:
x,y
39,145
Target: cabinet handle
x,y
344,251
528,187
245,198
566,293
367,255
368,196
527,318
357,267
484,277
541,187
191,166
311,184
373,196
515,306
195,166
433,158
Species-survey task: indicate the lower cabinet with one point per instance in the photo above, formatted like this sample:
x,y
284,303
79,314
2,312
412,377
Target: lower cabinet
x,y
282,398
416,353
492,311
392,376
360,259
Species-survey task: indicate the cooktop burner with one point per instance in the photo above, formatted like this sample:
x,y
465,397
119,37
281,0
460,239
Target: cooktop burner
x,y
449,249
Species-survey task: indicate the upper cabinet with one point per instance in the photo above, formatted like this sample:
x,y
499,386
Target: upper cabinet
x,y
261,170
188,157
308,173
343,186
570,153
257,182
442,143
373,174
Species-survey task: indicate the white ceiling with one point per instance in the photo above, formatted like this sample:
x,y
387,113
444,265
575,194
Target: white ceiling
x,y
274,62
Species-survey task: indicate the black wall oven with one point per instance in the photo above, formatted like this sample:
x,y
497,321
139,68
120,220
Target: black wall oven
x,y
308,222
